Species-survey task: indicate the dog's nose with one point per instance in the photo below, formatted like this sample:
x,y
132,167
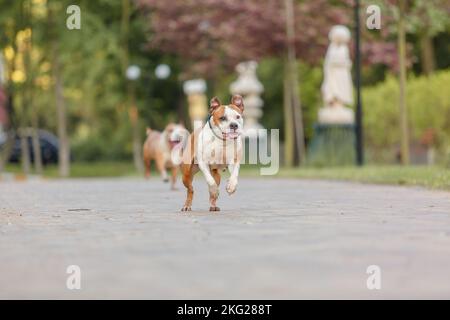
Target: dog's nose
x,y
233,126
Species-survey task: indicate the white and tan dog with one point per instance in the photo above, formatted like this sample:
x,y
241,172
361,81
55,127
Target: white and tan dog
x,y
159,146
216,146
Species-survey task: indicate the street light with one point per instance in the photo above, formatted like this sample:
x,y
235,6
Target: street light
x,y
162,71
133,72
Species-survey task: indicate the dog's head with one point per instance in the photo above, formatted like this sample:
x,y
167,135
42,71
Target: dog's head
x,y
175,134
228,118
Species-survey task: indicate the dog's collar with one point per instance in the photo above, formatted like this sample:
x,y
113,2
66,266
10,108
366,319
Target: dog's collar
x,y
212,129
224,141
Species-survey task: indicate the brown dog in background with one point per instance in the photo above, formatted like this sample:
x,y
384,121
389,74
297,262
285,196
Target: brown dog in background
x,y
159,145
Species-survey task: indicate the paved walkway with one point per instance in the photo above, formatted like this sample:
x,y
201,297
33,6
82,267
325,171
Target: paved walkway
x,y
273,239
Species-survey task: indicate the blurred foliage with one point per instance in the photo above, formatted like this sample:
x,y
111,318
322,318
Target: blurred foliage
x,y
427,26
428,100
432,177
95,86
84,169
228,32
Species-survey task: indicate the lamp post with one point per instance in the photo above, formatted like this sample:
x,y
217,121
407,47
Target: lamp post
x,y
197,102
161,72
358,126
133,73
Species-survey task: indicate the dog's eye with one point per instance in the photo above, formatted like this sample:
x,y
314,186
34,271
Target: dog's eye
x,y
223,118
238,117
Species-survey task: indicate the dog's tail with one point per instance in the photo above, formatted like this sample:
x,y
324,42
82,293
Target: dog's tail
x,y
177,151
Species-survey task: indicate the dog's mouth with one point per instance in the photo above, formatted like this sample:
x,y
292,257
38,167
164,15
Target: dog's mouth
x,y
173,143
231,134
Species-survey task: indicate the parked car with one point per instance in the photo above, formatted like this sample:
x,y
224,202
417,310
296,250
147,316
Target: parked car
x,y
49,147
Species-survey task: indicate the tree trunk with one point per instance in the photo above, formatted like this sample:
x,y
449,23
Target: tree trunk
x,y
24,151
134,118
29,67
64,149
404,138
25,156
288,121
124,30
23,134
131,93
427,53
36,146
10,128
297,116
63,152
6,150
293,85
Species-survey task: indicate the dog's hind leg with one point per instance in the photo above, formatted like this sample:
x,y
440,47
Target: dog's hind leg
x,y
161,168
174,177
147,163
213,196
187,181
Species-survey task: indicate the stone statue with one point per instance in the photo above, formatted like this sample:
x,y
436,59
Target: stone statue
x,y
248,85
337,87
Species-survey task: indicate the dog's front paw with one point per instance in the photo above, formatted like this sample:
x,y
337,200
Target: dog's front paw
x,y
186,208
231,186
214,190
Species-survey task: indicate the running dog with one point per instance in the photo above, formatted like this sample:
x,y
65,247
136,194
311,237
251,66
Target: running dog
x,y
215,147
159,146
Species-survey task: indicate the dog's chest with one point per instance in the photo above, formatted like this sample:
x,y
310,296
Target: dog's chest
x,y
218,153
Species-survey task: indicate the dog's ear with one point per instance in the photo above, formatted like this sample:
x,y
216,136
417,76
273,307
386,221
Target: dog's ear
x,y
238,101
214,104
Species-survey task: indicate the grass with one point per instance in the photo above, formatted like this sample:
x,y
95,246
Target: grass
x,y
86,169
433,177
